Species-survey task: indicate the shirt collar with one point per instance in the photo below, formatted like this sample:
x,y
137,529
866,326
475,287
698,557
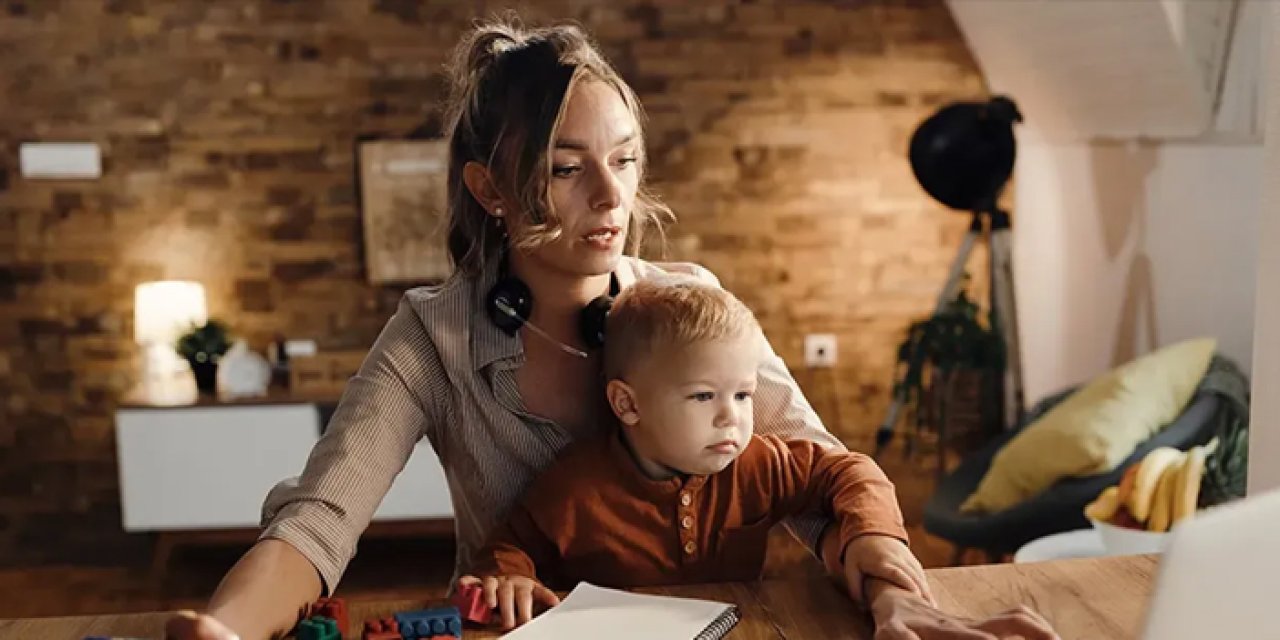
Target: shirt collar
x,y
630,470
489,344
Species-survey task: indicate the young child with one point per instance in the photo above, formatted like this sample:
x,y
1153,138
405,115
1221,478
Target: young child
x,y
683,492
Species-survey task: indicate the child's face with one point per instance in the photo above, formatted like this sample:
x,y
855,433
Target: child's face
x,y
690,409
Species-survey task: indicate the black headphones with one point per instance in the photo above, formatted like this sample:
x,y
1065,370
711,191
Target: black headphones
x,y
510,304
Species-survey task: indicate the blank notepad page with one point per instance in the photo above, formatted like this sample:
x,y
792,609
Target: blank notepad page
x,y
595,612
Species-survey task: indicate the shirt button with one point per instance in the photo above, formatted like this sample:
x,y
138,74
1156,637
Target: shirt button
x,y
686,499
690,547
686,522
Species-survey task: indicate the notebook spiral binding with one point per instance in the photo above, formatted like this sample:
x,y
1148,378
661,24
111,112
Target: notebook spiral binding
x,y
720,627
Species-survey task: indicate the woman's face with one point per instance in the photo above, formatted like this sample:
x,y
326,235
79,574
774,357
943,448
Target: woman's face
x,y
594,177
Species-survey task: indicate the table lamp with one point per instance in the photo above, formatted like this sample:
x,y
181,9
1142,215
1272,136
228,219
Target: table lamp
x,y
162,312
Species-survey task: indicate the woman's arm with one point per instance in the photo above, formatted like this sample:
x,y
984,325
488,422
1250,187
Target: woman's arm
x,y
312,522
266,591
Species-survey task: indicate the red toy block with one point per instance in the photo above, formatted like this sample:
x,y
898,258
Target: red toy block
x,y
335,608
471,604
381,629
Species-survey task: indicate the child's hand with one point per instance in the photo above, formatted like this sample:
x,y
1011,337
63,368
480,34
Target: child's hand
x,y
885,558
513,596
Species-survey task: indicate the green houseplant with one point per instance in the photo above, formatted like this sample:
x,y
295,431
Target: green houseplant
x,y
950,368
202,346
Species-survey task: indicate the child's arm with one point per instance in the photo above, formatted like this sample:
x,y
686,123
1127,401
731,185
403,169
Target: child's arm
x,y
507,568
803,477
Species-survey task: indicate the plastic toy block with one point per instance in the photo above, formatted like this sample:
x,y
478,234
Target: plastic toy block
x,y
335,608
381,629
319,628
471,604
422,625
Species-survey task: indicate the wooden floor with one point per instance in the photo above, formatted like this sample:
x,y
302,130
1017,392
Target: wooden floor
x,y
383,568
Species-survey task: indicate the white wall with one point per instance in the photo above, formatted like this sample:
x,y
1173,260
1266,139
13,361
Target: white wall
x,y
1120,248
1264,425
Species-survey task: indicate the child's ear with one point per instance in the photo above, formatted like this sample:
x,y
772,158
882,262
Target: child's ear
x,y
622,399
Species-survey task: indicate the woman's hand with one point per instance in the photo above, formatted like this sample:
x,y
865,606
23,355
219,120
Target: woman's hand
x,y
903,615
513,596
189,625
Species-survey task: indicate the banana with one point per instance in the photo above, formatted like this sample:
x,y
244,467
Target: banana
x,y
1148,476
1126,483
1162,502
1211,447
1187,493
1104,506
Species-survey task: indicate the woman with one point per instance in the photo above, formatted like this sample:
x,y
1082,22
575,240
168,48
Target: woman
x,y
546,160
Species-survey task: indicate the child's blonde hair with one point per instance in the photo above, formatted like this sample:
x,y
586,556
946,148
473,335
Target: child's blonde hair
x,y
653,316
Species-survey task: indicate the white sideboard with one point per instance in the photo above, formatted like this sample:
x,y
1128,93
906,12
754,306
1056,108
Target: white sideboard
x,y
209,466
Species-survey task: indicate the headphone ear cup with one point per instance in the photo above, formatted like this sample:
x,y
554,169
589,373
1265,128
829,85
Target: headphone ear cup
x,y
516,296
593,320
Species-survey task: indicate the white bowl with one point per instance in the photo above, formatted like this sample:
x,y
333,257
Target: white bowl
x,y
1123,542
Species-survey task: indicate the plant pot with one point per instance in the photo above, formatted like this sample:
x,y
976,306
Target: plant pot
x,y
206,376
963,406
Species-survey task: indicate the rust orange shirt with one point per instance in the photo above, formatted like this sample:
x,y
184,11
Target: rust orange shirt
x,y
595,516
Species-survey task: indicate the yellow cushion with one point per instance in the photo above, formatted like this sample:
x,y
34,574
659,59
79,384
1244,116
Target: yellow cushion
x,y
1096,428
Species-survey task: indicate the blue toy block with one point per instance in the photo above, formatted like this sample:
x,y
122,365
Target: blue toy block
x,y
319,628
420,625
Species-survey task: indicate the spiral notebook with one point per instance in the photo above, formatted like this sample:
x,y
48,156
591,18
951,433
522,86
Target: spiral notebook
x,y
588,611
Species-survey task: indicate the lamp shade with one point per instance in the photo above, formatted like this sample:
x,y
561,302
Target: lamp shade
x,y
163,310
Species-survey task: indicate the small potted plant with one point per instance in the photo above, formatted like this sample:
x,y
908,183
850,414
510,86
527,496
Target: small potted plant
x,y
951,367
203,346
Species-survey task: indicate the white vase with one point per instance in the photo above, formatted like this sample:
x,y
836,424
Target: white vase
x,y
243,373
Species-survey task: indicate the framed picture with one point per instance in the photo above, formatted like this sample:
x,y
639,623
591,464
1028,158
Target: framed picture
x,y
403,203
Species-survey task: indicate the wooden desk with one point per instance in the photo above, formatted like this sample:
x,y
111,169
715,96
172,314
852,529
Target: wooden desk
x,y
1083,599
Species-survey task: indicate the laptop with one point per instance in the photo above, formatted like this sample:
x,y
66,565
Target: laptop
x,y
1219,575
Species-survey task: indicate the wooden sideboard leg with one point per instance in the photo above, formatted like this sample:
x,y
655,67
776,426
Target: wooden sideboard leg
x,y
160,556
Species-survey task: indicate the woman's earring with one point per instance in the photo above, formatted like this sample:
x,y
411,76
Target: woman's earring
x,y
498,212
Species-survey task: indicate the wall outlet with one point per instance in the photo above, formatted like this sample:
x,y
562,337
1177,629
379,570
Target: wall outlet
x,y
820,350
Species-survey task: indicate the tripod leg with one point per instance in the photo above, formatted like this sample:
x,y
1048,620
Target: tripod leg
x,y
949,290
952,286
1006,315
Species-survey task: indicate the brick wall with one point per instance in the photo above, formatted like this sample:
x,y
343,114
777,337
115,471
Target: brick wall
x,y
778,132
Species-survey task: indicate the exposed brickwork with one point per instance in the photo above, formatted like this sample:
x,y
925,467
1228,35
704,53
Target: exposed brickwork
x,y
777,131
